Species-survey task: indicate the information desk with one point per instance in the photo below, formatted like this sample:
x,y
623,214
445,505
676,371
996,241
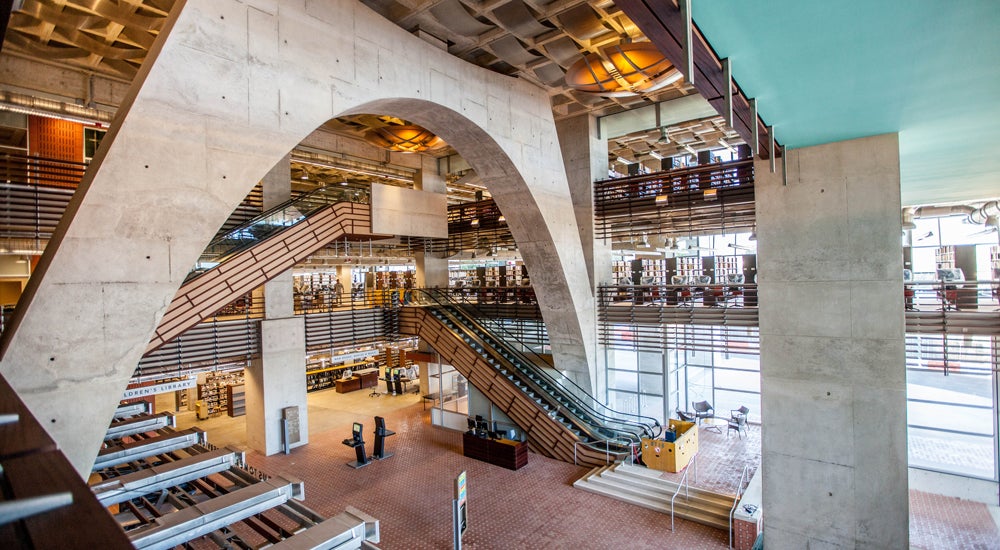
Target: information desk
x,y
499,452
367,378
671,456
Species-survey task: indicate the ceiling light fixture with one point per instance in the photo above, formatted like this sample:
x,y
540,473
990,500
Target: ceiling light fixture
x,y
405,139
653,153
622,70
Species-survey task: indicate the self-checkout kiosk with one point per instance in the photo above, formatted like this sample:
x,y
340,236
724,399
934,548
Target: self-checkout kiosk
x,y
379,453
357,441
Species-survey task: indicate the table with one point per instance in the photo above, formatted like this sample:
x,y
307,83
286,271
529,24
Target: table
x,y
345,385
715,424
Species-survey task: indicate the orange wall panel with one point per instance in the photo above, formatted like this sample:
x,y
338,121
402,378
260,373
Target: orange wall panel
x,y
55,139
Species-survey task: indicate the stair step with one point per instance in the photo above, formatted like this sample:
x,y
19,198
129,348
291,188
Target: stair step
x,y
599,481
651,478
627,488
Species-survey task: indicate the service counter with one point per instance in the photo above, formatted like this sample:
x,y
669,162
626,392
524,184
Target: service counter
x,y
671,453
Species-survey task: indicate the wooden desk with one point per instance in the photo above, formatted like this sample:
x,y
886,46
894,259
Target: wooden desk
x,y
499,452
368,378
345,385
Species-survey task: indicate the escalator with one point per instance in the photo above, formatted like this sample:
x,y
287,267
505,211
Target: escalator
x,y
561,419
246,257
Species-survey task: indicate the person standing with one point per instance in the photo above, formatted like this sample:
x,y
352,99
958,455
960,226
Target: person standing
x,y
338,290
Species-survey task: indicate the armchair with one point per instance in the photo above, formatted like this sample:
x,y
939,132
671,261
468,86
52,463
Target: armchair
x,y
703,409
738,421
685,416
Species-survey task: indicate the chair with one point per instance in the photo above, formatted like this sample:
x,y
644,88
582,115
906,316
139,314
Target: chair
x,y
738,420
685,416
703,410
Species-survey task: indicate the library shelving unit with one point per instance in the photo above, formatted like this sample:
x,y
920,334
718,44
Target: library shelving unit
x,y
237,405
213,392
944,257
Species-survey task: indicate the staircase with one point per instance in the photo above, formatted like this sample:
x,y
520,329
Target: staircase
x,y
643,487
257,261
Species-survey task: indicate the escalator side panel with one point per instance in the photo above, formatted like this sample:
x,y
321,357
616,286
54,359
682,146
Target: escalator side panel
x,y
545,434
202,296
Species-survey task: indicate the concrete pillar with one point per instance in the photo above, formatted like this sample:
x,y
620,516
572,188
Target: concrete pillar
x,y
585,157
277,379
428,177
833,379
431,271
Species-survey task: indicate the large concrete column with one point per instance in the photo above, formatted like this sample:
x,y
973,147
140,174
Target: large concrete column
x,y
585,159
585,156
832,348
277,380
431,271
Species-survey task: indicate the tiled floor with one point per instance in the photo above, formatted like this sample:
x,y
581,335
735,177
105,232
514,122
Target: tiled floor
x,y
534,507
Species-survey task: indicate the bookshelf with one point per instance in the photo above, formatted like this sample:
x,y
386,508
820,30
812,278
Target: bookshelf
x,y
727,265
237,405
944,257
213,390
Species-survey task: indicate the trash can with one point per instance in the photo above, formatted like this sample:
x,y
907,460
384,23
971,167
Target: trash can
x,y
201,410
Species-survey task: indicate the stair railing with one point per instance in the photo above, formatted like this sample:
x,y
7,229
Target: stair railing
x,y
687,487
607,447
276,219
736,500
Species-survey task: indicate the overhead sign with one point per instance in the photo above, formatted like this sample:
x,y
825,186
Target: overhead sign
x,y
173,385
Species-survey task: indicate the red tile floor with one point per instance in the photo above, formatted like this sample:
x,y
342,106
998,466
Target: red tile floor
x,y
536,506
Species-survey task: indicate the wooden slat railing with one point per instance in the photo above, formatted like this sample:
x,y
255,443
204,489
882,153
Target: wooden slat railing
x,y
545,434
201,297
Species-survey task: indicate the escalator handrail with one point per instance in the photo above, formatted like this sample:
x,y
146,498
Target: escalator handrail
x,y
570,393
536,359
342,196
575,392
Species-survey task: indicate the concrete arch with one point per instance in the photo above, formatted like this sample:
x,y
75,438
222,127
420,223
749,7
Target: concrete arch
x,y
229,88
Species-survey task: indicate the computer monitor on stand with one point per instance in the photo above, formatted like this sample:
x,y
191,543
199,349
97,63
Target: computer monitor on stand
x,y
357,441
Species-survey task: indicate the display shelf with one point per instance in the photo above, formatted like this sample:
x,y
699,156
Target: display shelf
x,y
727,265
326,377
944,257
237,400
213,390
689,266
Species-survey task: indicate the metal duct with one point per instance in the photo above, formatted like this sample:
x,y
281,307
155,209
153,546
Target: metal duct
x,y
943,211
981,215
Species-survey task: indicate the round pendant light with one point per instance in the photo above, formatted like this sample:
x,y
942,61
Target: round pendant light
x,y
622,70
406,139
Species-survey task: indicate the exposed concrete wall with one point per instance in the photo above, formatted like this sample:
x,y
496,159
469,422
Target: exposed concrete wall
x,y
399,211
428,178
228,89
832,348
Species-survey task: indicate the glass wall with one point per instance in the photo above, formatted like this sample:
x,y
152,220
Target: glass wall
x,y
658,383
951,392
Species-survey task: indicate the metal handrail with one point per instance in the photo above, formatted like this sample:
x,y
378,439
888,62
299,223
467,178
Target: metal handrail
x,y
736,500
443,299
607,447
687,487
569,387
